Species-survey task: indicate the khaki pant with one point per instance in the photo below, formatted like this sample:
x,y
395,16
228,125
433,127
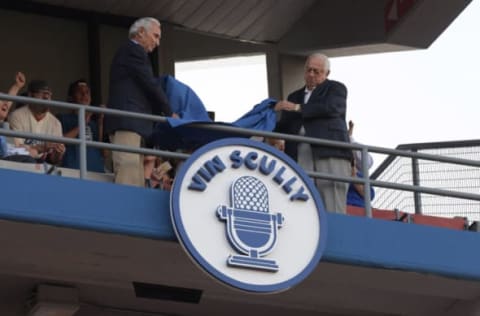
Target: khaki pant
x,y
127,167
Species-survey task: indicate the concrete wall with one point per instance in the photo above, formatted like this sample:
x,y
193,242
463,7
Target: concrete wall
x,y
335,25
110,39
292,69
192,46
57,50
42,47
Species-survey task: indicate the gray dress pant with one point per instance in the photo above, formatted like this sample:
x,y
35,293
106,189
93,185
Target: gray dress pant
x,y
333,193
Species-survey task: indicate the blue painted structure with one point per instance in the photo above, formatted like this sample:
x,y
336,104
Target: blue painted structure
x,y
106,207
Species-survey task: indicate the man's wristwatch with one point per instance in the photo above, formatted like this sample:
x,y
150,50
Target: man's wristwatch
x,y
297,107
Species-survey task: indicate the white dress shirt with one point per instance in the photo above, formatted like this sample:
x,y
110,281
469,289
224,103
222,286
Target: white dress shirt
x,y
305,155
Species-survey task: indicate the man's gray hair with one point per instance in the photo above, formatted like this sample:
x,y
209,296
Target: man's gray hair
x,y
320,56
141,23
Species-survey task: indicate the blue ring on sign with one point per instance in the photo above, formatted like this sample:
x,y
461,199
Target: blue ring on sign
x,y
200,260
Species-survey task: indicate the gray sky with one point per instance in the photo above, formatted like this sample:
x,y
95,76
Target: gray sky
x,y
394,98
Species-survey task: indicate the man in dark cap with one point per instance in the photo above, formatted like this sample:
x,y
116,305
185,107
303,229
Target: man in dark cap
x,y
36,118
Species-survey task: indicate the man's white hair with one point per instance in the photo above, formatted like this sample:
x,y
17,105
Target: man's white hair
x,y
145,23
320,56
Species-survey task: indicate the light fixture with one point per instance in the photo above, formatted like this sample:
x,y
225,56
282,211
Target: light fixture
x,y
54,300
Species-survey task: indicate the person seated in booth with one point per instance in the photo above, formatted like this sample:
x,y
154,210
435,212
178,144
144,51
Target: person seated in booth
x,y
79,93
36,118
356,191
8,151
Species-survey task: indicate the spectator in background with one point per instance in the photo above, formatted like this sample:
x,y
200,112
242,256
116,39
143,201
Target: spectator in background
x,y
133,87
160,174
318,110
8,151
79,92
15,88
356,191
36,118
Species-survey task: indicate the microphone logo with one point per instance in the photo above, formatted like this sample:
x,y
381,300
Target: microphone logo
x,y
251,228
248,215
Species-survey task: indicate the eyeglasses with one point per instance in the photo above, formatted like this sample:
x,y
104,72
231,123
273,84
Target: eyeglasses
x,y
315,71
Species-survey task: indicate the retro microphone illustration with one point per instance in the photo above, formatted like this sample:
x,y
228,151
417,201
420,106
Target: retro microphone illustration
x,y
251,228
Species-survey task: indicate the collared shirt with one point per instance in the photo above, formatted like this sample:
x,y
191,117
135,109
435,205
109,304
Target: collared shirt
x,y
308,93
305,154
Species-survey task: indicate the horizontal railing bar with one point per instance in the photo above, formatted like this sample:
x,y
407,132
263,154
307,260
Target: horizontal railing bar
x,y
249,132
88,108
246,131
391,185
101,145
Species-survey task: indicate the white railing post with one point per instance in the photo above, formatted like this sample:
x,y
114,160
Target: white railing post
x,y
83,144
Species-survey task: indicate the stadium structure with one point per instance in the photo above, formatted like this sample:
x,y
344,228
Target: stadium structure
x,y
78,244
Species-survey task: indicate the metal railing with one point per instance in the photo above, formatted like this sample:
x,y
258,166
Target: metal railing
x,y
364,149
434,174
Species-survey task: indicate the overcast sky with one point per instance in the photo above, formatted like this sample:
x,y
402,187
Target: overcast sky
x,y
228,86
421,95
394,98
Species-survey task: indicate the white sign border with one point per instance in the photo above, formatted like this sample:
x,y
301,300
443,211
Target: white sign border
x,y
204,264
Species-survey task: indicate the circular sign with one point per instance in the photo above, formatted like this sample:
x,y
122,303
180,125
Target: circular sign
x,y
248,215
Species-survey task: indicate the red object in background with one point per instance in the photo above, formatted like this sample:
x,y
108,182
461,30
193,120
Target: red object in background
x,y
457,223
395,10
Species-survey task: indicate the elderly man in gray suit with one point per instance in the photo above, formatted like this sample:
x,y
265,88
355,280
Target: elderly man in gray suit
x,y
318,110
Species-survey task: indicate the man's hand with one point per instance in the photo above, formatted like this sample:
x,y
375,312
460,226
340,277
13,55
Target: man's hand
x,y
175,115
350,128
285,106
32,151
276,142
55,153
56,147
20,80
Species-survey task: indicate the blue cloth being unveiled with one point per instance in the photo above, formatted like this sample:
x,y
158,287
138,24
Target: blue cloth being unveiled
x,y
183,100
185,132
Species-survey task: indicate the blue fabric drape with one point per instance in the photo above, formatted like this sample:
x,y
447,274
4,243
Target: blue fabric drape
x,y
185,133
